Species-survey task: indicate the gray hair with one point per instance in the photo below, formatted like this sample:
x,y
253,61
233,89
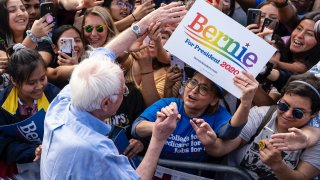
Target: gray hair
x,y
93,80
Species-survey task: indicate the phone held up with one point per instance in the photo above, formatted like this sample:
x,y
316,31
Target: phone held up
x,y
47,8
177,64
269,25
253,16
266,133
66,45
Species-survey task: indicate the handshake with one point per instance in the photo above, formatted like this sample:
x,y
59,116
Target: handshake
x,y
166,122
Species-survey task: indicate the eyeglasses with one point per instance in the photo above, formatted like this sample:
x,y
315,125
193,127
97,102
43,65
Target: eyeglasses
x,y
203,88
99,28
296,112
125,91
121,4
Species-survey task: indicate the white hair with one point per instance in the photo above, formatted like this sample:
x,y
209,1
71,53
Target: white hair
x,y
93,80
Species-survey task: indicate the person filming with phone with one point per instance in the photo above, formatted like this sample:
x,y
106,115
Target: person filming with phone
x,y
299,102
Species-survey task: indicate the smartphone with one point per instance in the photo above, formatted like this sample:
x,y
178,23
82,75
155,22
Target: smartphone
x,y
253,16
177,64
47,8
269,25
266,133
67,46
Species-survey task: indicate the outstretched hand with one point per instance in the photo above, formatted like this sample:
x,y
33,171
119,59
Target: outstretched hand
x,y
88,4
166,122
168,14
204,132
135,146
295,139
37,153
248,84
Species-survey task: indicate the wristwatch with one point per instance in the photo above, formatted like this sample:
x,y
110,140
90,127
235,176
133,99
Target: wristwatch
x,y
33,38
136,29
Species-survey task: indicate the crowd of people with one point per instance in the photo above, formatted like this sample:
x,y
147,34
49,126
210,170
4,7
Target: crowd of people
x,y
117,75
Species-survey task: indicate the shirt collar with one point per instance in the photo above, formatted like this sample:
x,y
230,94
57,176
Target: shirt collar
x,y
90,121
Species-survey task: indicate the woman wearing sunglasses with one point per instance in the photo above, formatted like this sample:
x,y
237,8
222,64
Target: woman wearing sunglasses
x,y
200,103
300,101
98,27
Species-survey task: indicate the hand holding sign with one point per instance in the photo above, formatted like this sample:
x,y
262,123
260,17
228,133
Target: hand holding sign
x,y
249,85
217,46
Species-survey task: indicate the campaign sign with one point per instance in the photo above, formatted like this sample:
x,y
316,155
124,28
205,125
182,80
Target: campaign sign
x,y
29,130
217,46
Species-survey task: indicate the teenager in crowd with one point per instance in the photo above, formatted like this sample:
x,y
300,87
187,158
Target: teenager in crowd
x,y
300,101
28,94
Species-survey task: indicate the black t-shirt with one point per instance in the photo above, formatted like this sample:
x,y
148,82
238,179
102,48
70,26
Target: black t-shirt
x,y
3,44
131,107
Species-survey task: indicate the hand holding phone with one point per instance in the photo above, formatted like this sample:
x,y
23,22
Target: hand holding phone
x,y
47,8
269,25
253,16
177,64
66,45
266,133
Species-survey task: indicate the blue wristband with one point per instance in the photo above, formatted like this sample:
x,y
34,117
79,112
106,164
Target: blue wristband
x,y
33,38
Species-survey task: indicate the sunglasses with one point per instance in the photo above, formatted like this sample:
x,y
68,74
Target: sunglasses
x,y
99,28
296,112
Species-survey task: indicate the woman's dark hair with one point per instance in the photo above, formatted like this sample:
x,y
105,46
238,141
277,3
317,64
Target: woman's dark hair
x,y
301,89
22,63
60,30
232,8
310,57
4,21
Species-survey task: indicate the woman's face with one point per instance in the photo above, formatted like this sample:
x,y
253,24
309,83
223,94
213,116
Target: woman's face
x,y
269,11
194,100
120,9
32,88
78,44
18,16
286,119
99,31
302,37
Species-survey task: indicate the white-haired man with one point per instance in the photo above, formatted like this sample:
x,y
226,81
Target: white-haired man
x,y
74,143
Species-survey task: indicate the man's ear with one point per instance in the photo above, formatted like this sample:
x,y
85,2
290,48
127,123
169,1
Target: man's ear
x,y
105,103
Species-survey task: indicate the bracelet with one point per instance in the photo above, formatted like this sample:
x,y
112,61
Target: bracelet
x,y
32,37
135,19
282,5
146,73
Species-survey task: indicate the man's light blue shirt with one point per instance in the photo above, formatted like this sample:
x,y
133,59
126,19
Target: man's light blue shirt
x,y
75,145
